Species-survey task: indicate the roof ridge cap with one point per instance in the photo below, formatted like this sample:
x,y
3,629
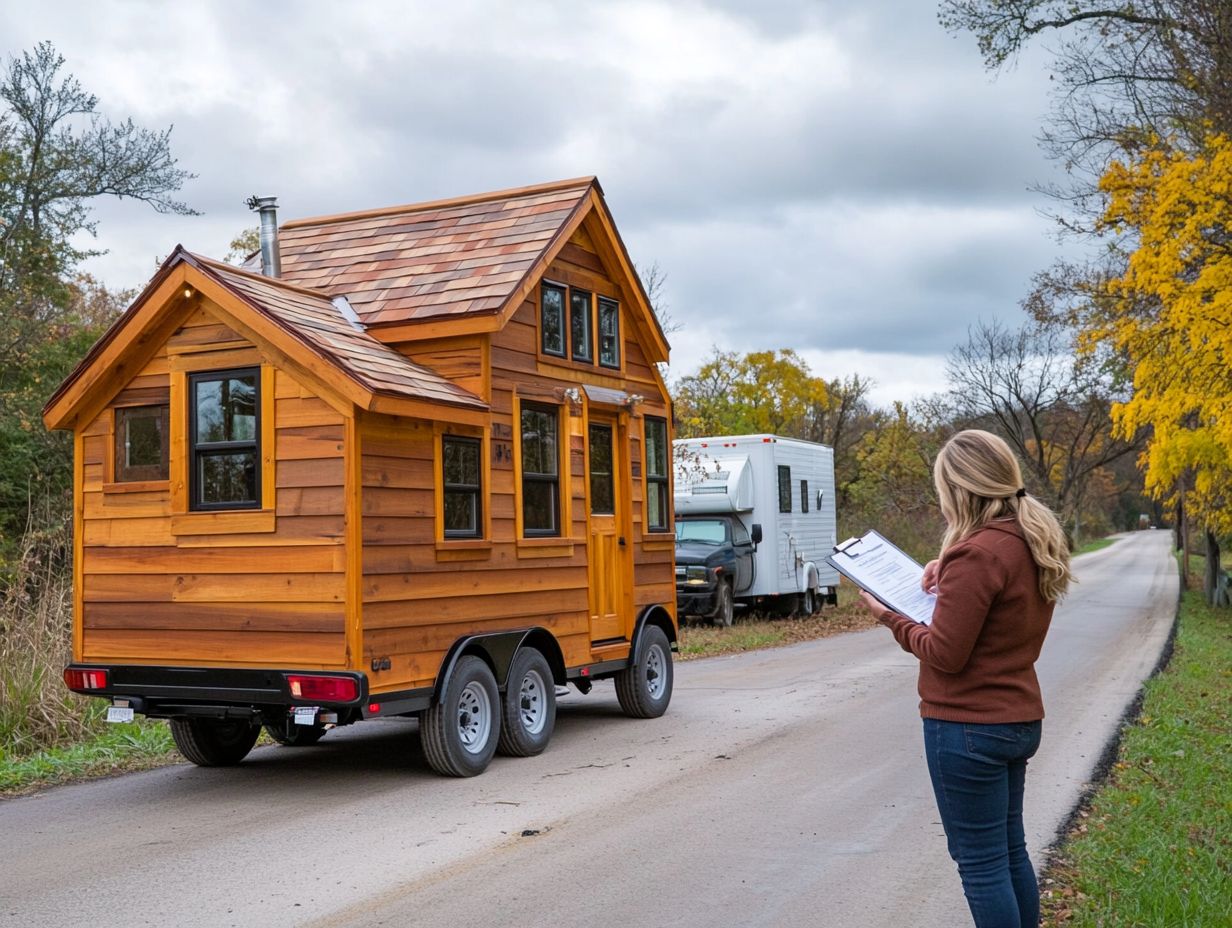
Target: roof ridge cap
x,y
509,193
262,278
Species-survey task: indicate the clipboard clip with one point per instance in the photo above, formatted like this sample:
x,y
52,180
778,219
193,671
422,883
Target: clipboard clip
x,y
846,546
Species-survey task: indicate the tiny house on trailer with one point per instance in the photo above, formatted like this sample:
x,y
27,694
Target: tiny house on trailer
x,y
755,519
407,461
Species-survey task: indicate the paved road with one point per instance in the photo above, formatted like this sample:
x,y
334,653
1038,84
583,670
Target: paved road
x,y
784,788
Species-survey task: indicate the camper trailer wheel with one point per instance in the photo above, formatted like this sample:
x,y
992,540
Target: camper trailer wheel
x,y
214,742
645,687
808,603
724,610
294,736
460,730
529,709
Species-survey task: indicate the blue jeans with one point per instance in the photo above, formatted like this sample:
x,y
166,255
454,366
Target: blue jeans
x,y
978,772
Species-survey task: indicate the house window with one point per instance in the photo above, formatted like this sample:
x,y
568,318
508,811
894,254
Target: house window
x,y
609,332
224,446
784,489
581,340
804,496
656,474
141,443
540,470
460,469
602,480
552,319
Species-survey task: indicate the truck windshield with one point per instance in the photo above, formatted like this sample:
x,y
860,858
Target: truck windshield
x,y
707,531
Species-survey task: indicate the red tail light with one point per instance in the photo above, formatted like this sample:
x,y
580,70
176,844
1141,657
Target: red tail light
x,y
325,689
80,680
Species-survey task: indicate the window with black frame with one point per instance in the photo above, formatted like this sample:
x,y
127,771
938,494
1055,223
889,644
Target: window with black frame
x,y
224,439
804,496
463,496
609,332
552,320
581,343
656,474
540,470
784,488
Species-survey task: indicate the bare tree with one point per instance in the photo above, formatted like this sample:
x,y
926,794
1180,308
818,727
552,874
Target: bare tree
x,y
1026,385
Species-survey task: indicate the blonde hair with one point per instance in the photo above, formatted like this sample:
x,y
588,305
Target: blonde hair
x,y
978,479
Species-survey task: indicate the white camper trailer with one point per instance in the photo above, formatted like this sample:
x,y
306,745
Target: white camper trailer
x,y
755,518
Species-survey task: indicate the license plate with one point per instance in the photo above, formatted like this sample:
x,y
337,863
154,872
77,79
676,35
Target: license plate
x,y
119,714
305,715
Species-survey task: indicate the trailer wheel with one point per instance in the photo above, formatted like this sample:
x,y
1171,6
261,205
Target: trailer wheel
x,y
808,603
214,742
295,736
725,609
461,730
528,712
645,687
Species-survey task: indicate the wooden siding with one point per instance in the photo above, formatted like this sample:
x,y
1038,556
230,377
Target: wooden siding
x,y
153,592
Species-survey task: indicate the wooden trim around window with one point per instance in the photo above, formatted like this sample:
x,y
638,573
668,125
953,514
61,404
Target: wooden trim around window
x,y
465,549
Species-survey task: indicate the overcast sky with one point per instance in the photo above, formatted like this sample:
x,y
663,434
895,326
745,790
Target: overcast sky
x,y
842,178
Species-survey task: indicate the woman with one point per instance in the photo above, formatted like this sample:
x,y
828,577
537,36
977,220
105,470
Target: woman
x,y
1004,564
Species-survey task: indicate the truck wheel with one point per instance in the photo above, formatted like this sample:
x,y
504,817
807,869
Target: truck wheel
x,y
724,610
528,712
295,736
645,687
460,731
214,742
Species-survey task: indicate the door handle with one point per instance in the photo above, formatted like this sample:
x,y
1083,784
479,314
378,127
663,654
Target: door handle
x,y
622,541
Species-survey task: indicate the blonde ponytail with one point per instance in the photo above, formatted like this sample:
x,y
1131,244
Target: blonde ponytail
x,y
978,480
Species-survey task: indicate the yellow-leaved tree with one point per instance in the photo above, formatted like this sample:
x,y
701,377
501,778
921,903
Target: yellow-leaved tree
x,y
1170,314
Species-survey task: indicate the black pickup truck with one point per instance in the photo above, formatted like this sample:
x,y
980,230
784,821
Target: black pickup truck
x,y
714,564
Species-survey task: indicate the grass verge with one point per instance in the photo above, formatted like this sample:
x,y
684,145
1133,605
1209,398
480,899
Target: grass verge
x,y
121,748
1095,544
753,631
1154,844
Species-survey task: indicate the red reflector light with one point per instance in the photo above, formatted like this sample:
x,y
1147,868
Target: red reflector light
x,y
326,689
78,680
374,707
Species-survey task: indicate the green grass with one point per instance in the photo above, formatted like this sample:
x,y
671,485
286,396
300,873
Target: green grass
x,y
119,749
1155,846
1094,544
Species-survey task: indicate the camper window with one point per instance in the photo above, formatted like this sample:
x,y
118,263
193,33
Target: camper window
x,y
540,470
463,498
804,496
784,488
224,425
141,443
656,474
552,320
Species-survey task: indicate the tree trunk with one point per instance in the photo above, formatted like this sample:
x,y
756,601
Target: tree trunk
x,y
1182,537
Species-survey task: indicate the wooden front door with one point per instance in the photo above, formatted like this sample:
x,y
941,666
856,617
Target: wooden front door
x,y
608,550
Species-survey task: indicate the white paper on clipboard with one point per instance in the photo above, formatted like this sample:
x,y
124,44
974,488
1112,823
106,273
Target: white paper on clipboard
x,y
874,564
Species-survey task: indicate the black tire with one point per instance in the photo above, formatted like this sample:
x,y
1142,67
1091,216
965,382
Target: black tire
x,y
808,603
528,711
214,742
725,607
645,687
295,736
461,730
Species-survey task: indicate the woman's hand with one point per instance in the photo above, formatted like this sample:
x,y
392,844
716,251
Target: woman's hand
x,y
880,611
929,580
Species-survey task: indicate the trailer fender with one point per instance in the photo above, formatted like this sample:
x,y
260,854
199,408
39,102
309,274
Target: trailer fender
x,y
497,650
653,615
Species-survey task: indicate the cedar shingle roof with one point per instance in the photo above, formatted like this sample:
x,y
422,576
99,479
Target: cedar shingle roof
x,y
431,260
316,321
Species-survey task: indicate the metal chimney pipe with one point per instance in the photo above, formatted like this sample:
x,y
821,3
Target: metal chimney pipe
x,y
271,261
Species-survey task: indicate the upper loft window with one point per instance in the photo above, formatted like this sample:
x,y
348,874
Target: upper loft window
x,y
224,445
141,443
552,320
581,336
609,332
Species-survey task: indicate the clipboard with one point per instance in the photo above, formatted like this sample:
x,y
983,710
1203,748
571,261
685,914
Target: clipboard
x,y
875,564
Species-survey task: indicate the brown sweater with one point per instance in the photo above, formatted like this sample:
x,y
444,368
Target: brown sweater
x,y
977,659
